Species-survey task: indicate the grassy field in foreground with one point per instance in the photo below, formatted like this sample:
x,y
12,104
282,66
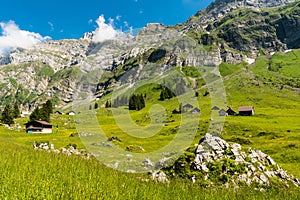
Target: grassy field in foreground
x,y
29,174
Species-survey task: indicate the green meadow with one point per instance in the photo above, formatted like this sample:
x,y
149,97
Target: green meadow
x,y
266,84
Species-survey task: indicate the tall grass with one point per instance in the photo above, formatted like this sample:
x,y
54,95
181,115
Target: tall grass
x,y
30,174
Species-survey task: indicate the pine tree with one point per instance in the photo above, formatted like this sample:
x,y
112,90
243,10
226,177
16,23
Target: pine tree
x,y
44,115
142,100
132,103
7,115
136,102
35,115
16,110
49,107
166,93
162,95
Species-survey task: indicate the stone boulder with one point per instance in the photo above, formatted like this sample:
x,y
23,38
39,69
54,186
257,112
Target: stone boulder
x,y
216,162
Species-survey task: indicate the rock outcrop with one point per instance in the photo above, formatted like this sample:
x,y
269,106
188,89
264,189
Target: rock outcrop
x,y
69,151
219,8
216,162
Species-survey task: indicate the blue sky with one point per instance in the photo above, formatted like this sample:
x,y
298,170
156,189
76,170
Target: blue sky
x,y
70,19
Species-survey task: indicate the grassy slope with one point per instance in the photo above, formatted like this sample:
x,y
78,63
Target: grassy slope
x,y
23,177
275,129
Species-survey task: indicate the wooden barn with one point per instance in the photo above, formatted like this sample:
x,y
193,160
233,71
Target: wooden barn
x,y
230,112
246,110
38,126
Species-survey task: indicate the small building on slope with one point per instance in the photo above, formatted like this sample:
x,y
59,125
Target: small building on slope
x,y
38,126
230,112
222,112
195,111
246,110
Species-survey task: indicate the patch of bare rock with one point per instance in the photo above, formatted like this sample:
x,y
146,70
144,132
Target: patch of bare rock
x,y
215,162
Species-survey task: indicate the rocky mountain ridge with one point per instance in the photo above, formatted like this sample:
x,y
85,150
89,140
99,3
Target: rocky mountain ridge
x,y
227,31
220,8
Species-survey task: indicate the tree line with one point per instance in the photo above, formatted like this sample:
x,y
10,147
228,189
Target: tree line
x,y
42,113
10,113
136,102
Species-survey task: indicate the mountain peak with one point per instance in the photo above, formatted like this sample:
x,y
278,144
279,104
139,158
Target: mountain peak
x,y
219,8
249,3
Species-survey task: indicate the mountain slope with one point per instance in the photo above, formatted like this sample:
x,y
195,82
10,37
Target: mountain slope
x,y
227,31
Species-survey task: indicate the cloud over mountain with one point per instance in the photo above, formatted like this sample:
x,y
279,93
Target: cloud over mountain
x,y
105,31
12,37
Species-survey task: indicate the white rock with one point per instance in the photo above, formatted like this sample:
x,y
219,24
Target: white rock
x,y
270,160
263,178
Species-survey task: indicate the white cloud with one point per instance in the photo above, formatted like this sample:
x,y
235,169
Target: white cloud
x,y
105,31
12,37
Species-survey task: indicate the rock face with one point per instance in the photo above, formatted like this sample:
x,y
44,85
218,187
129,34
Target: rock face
x,y
227,31
220,8
214,161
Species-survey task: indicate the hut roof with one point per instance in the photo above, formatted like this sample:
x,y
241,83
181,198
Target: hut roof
x,y
245,108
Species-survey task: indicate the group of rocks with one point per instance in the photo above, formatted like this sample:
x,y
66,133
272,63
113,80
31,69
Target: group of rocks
x,y
70,150
214,155
258,166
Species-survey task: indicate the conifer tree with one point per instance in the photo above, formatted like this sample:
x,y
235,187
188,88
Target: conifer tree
x,y
16,110
7,115
166,93
136,102
45,112
44,115
41,113
49,106
132,103
35,115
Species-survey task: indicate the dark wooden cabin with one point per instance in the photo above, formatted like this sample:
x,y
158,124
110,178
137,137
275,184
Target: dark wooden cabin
x,y
38,126
246,110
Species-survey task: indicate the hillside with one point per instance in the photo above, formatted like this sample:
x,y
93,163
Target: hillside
x,y
231,54
240,34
